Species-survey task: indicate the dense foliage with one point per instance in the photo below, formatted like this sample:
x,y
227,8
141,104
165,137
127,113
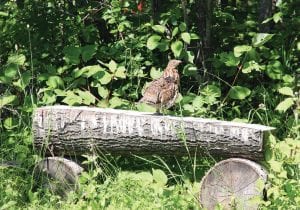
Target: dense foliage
x,y
102,53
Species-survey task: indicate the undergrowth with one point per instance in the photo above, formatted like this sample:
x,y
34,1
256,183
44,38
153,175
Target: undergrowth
x,y
103,53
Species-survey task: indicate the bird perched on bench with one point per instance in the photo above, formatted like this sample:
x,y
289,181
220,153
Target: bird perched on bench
x,y
162,92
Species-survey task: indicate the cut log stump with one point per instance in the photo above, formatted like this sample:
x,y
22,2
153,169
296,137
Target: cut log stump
x,y
234,183
63,130
58,174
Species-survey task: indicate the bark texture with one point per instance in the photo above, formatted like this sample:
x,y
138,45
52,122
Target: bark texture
x,y
60,130
234,183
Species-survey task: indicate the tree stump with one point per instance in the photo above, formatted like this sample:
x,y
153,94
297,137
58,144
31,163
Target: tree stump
x,y
234,183
58,174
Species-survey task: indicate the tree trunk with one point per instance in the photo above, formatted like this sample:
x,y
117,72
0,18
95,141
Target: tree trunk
x,y
265,11
79,130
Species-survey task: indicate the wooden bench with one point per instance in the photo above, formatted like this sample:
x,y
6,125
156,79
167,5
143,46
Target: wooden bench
x,y
61,130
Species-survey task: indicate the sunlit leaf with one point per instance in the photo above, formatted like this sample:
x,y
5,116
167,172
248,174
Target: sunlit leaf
x,y
155,73
104,77
10,123
186,37
72,99
88,71
153,42
55,82
103,92
241,49
175,31
6,99
239,93
87,97
159,28
285,104
112,65
286,91
176,48
261,38
17,59
211,90
121,72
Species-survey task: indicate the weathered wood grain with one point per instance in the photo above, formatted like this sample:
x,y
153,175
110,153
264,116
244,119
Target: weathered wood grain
x,y
77,130
234,183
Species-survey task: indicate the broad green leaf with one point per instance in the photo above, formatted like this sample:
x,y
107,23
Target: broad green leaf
x,y
163,45
176,48
189,108
250,66
229,59
275,70
155,73
182,27
198,102
277,17
88,52
115,102
89,71
261,38
153,42
72,99
239,50
186,37
48,97
10,123
239,93
105,77
7,99
3,14
175,31
285,104
72,54
189,70
112,65
286,91
16,59
103,92
87,97
24,80
194,36
211,90
189,55
159,28
159,177
120,73
55,82
11,70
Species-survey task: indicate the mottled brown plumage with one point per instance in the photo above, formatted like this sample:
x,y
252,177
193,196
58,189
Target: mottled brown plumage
x,y
162,92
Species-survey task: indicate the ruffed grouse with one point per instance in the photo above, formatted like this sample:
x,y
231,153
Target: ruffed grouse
x,y
162,92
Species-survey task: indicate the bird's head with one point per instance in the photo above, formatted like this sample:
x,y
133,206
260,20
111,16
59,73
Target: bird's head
x,y
174,63
171,70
